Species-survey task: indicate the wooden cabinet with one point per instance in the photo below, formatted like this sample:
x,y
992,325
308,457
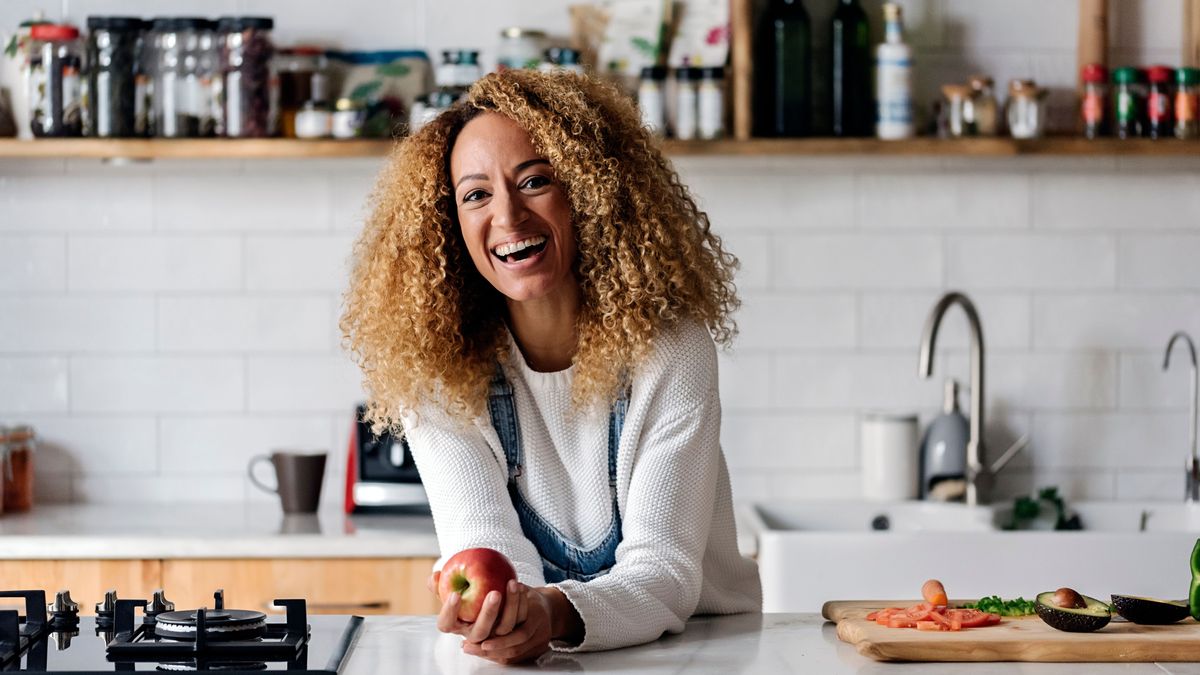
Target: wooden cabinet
x,y
86,579
331,585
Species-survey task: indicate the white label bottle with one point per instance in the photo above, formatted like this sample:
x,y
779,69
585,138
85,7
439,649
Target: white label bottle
x,y
893,80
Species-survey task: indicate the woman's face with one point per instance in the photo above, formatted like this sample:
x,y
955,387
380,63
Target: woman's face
x,y
513,212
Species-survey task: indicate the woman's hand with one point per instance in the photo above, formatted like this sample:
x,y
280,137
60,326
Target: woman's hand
x,y
521,634
493,620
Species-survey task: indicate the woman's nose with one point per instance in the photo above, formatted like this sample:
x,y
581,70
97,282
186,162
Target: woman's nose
x,y
508,208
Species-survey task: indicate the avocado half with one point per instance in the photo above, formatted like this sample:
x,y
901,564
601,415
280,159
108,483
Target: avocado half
x,y
1150,611
1083,620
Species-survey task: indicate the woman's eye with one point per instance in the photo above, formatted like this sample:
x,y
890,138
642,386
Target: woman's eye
x,y
535,182
474,196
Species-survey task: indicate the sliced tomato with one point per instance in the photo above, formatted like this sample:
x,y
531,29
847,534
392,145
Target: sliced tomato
x,y
928,625
897,622
942,619
872,615
973,618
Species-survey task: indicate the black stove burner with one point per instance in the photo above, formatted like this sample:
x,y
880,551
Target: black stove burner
x,y
218,639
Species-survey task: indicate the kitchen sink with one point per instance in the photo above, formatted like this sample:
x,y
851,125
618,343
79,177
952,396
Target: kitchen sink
x,y
810,552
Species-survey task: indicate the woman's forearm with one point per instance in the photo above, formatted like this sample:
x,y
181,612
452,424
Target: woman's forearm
x,y
566,624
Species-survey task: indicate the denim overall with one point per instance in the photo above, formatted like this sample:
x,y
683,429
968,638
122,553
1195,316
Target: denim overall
x,y
561,558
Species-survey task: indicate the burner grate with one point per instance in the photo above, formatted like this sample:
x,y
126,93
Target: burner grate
x,y
15,639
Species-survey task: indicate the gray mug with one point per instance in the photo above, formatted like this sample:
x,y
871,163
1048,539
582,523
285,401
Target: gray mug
x,y
298,478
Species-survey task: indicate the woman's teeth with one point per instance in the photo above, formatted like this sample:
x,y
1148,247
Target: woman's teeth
x,y
505,250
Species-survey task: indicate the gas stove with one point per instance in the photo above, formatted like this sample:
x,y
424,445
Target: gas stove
x,y
151,635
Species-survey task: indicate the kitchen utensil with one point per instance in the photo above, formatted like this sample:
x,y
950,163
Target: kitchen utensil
x,y
889,457
298,478
1014,639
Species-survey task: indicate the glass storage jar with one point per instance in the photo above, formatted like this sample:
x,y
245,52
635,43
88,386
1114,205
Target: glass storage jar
x,y
1094,107
980,109
298,69
1128,103
246,53
954,105
1187,102
520,48
1025,109
54,81
112,56
185,66
18,469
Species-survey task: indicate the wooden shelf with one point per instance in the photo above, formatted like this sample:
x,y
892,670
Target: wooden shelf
x,y
802,147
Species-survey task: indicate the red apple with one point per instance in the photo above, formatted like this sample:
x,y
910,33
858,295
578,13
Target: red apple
x,y
473,573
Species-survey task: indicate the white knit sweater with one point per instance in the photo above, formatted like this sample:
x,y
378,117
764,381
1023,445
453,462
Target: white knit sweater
x,y
678,555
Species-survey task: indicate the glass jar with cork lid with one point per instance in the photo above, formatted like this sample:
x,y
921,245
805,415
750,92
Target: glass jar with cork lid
x,y
17,447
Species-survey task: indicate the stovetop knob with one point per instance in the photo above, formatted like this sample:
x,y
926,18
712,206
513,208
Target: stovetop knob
x,y
63,604
159,604
105,609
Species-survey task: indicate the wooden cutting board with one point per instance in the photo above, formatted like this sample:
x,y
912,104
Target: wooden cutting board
x,y
1014,639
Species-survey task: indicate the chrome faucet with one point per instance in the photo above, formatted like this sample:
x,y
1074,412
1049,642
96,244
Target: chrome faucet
x,y
1192,484
979,476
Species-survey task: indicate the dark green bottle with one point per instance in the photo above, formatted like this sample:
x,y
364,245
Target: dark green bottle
x,y
852,112
783,71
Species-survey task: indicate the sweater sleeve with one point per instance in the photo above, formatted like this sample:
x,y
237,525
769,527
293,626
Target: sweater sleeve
x,y
655,584
466,482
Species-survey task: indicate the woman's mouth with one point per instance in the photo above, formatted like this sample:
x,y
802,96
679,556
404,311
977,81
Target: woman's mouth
x,y
517,251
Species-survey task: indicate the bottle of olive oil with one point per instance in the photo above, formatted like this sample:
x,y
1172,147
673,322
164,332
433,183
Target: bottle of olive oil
x,y
783,71
852,112
893,80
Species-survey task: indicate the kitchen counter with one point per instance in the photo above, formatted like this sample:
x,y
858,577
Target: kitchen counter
x,y
98,532
746,643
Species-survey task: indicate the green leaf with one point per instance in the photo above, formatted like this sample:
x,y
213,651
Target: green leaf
x,y
396,69
644,46
365,90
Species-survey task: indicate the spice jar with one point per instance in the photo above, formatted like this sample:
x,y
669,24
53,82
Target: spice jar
x,y
18,469
297,68
54,81
246,68
711,103
562,58
520,48
652,99
1093,108
979,110
1160,122
1025,109
954,107
686,105
112,54
1127,103
1187,102
347,120
185,66
314,120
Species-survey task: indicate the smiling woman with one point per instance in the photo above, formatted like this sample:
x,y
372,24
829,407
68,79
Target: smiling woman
x,y
535,303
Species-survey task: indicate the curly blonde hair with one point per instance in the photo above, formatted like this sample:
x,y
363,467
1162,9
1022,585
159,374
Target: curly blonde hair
x,y
424,325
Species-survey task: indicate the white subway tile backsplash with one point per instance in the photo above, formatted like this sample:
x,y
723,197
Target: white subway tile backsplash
x,y
158,384
1046,381
800,441
1136,321
790,322
1031,262
154,263
1011,25
774,200
97,445
1169,262
940,201
848,381
33,263
1110,440
753,252
743,379
1116,200
76,324
858,261
1072,484
808,484
1164,486
244,324
227,443
897,320
327,384
160,489
298,263
109,201
1146,386
33,384
276,201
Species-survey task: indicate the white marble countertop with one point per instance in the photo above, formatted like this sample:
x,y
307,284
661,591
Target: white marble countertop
x,y
84,531
747,643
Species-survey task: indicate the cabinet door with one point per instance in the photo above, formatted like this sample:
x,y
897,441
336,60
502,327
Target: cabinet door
x,y
331,586
86,579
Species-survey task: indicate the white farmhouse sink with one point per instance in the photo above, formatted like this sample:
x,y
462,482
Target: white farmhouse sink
x,y
810,552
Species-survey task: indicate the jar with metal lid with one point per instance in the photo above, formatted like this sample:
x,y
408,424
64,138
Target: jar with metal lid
x,y
111,97
1128,103
1094,106
1160,108
652,99
18,468
186,64
954,104
710,103
1025,109
55,69
562,58
980,109
1187,102
686,102
298,69
246,53
348,116
313,120
520,48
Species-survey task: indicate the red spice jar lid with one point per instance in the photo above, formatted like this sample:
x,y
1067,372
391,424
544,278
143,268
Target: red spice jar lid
x,y
1159,74
53,32
1096,73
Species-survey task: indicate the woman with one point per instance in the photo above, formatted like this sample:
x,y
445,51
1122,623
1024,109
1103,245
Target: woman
x,y
534,301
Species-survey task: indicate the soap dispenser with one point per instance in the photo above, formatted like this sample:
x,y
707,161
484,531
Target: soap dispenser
x,y
944,450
